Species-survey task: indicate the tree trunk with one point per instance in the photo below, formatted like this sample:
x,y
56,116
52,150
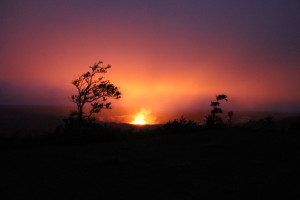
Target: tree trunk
x,y
80,112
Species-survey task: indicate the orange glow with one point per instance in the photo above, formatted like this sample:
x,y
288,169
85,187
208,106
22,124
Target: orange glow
x,y
139,119
159,60
143,117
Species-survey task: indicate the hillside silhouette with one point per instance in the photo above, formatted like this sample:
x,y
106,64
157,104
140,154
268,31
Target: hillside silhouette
x,y
180,160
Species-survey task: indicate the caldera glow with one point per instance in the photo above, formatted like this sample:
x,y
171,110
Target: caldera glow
x,y
139,119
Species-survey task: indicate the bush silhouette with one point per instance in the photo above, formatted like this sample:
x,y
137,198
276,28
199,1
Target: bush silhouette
x,y
180,125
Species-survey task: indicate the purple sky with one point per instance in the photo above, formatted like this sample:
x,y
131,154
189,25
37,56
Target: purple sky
x,y
163,53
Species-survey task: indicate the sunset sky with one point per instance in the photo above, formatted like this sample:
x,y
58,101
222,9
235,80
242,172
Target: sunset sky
x,y
166,55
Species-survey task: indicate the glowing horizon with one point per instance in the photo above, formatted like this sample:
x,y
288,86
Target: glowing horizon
x,y
143,117
166,56
139,120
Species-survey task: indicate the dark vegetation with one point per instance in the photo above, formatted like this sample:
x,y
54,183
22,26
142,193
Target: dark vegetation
x,y
179,160
213,120
85,159
94,132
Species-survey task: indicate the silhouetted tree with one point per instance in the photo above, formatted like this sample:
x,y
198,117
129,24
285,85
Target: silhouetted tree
x,y
221,97
94,90
213,119
230,114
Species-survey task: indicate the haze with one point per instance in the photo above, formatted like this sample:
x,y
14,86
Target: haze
x,y
166,55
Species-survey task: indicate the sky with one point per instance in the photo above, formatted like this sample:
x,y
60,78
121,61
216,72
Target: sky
x,y
166,55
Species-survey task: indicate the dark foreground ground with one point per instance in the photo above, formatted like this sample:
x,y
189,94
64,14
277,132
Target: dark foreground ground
x,y
204,165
